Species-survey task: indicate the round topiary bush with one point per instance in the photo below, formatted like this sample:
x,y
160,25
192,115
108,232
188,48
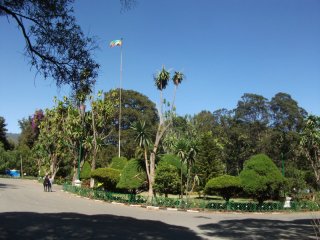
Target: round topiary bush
x,y
261,178
225,186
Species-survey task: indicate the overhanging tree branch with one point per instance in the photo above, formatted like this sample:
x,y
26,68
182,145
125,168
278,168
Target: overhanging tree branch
x,y
54,42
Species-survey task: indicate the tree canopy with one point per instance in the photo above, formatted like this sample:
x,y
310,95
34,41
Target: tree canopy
x,y
55,44
261,178
3,138
135,107
225,185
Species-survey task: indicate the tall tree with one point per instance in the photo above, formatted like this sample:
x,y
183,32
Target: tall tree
x,y
27,136
3,137
177,79
30,129
204,121
135,107
143,138
210,159
283,137
247,128
161,80
252,108
310,144
101,116
52,142
286,114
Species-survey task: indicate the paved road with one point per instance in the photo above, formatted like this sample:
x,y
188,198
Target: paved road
x,y
26,212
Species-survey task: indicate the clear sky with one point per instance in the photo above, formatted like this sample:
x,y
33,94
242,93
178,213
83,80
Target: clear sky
x,y
225,47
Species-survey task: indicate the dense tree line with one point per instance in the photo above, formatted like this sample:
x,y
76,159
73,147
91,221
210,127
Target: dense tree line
x,y
206,145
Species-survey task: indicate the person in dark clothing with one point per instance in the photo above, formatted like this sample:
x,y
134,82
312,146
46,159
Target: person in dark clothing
x,y
46,184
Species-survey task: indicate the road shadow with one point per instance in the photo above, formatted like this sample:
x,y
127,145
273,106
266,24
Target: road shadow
x,y
3,185
29,225
261,229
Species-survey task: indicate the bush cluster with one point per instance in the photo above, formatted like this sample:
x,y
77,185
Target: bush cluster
x,y
260,179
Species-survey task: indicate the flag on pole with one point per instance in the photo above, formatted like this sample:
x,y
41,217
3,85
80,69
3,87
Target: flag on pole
x,y
115,43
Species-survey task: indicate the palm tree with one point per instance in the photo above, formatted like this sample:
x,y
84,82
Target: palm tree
x,y
142,133
177,79
181,151
190,160
142,136
161,81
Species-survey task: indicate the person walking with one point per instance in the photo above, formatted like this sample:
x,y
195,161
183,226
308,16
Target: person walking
x,y
50,183
46,183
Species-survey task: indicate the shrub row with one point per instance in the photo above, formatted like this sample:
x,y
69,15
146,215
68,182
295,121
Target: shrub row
x,y
199,204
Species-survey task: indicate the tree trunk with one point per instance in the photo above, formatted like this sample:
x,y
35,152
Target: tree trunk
x,y
188,177
147,163
93,167
151,172
95,148
181,187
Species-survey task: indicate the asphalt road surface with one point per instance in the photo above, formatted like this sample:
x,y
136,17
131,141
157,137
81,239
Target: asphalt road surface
x,y
27,212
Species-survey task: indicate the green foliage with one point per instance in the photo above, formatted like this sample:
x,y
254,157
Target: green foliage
x,y
135,107
142,134
225,185
54,143
24,154
161,79
261,178
310,144
167,179
108,176
98,121
175,161
286,114
209,162
43,171
85,171
46,27
177,78
242,206
133,175
118,163
204,122
4,157
295,181
3,137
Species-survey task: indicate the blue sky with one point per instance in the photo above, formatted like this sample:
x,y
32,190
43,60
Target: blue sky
x,y
225,48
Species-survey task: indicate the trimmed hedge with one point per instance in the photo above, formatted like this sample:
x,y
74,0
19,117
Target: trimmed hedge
x,y
118,163
132,176
85,172
108,176
226,186
198,204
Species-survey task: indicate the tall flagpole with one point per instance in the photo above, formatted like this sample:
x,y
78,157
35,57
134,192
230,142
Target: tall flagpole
x,y
120,102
